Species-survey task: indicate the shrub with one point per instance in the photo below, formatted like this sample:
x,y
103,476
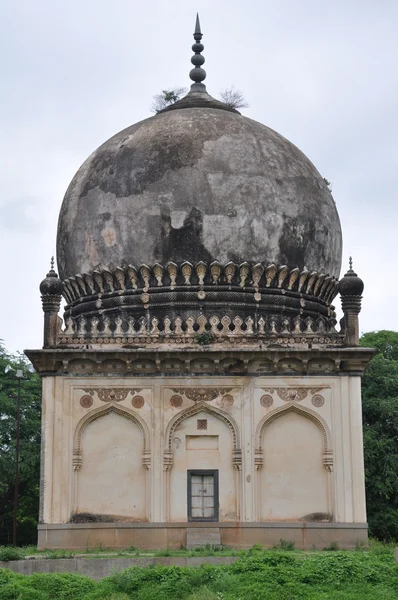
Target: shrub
x,y
8,553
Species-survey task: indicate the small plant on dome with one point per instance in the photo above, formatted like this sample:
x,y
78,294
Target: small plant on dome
x,y
204,339
233,98
167,98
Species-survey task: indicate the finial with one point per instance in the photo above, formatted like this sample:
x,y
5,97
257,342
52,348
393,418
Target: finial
x,y
350,263
198,74
52,263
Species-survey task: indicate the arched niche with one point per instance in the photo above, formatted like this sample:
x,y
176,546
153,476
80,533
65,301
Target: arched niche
x,y
110,460
294,460
215,447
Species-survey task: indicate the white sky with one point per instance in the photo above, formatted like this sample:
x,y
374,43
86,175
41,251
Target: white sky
x,y
323,74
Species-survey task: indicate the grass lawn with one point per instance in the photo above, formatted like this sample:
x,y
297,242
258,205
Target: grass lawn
x,y
259,575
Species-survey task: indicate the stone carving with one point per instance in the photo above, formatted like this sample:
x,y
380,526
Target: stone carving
x,y
290,394
225,401
318,400
116,330
202,394
138,401
103,281
86,401
201,424
266,400
190,412
176,401
111,394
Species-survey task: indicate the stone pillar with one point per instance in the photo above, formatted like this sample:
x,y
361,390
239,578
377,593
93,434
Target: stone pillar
x,y
351,306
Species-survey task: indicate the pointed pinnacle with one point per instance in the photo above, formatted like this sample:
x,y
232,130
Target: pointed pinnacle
x,y
197,24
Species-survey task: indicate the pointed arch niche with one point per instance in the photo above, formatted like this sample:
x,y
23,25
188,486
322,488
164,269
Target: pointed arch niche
x,y
111,459
294,463
215,447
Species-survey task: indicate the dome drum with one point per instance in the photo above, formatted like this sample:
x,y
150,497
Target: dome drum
x,y
189,290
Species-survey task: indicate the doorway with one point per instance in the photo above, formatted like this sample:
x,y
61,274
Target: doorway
x,y
203,495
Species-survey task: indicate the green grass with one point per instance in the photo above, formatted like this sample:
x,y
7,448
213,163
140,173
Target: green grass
x,y
259,575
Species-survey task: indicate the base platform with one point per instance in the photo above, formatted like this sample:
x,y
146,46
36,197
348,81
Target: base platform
x,y
147,536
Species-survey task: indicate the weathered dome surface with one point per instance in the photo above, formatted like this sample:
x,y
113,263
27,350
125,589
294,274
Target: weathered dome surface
x,y
198,184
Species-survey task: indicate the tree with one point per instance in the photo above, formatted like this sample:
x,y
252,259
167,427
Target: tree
x,y
29,462
380,429
166,98
233,98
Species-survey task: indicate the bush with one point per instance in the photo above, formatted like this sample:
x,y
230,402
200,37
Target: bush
x,y
259,575
8,553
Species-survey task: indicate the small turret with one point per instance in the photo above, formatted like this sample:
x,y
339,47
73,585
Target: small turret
x,y
350,289
51,293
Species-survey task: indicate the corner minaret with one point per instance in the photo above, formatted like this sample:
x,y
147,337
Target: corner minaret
x,y
351,288
51,292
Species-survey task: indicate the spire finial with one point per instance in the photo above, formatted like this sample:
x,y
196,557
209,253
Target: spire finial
x,y
52,263
350,263
197,74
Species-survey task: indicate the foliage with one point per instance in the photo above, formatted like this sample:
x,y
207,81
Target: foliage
x,y
204,339
380,430
270,574
166,98
29,462
233,98
8,553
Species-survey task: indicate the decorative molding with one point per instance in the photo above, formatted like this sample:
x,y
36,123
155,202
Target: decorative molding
x,y
318,400
86,401
293,394
111,394
202,394
146,279
265,329
226,401
192,411
137,401
171,362
176,401
266,400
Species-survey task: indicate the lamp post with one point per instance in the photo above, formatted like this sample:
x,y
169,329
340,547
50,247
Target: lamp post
x,y
19,376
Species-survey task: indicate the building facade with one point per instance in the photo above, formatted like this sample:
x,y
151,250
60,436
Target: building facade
x,y
198,390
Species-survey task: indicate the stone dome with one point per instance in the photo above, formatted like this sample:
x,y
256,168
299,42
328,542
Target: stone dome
x,y
198,183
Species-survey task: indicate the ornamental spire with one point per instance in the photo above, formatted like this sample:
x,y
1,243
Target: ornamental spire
x,y
197,74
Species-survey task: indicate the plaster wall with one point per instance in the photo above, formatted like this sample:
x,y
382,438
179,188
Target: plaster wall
x,y
112,480
280,456
294,481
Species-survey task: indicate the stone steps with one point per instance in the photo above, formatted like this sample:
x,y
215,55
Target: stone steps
x,y
198,537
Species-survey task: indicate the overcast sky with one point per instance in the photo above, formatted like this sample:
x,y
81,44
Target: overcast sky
x,y
322,73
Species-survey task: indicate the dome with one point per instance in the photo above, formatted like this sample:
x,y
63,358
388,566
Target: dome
x,y
198,184
198,219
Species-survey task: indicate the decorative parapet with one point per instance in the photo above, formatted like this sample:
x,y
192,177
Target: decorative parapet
x,y
264,329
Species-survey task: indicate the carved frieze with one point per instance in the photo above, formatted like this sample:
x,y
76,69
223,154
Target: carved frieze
x,y
202,394
293,394
111,394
